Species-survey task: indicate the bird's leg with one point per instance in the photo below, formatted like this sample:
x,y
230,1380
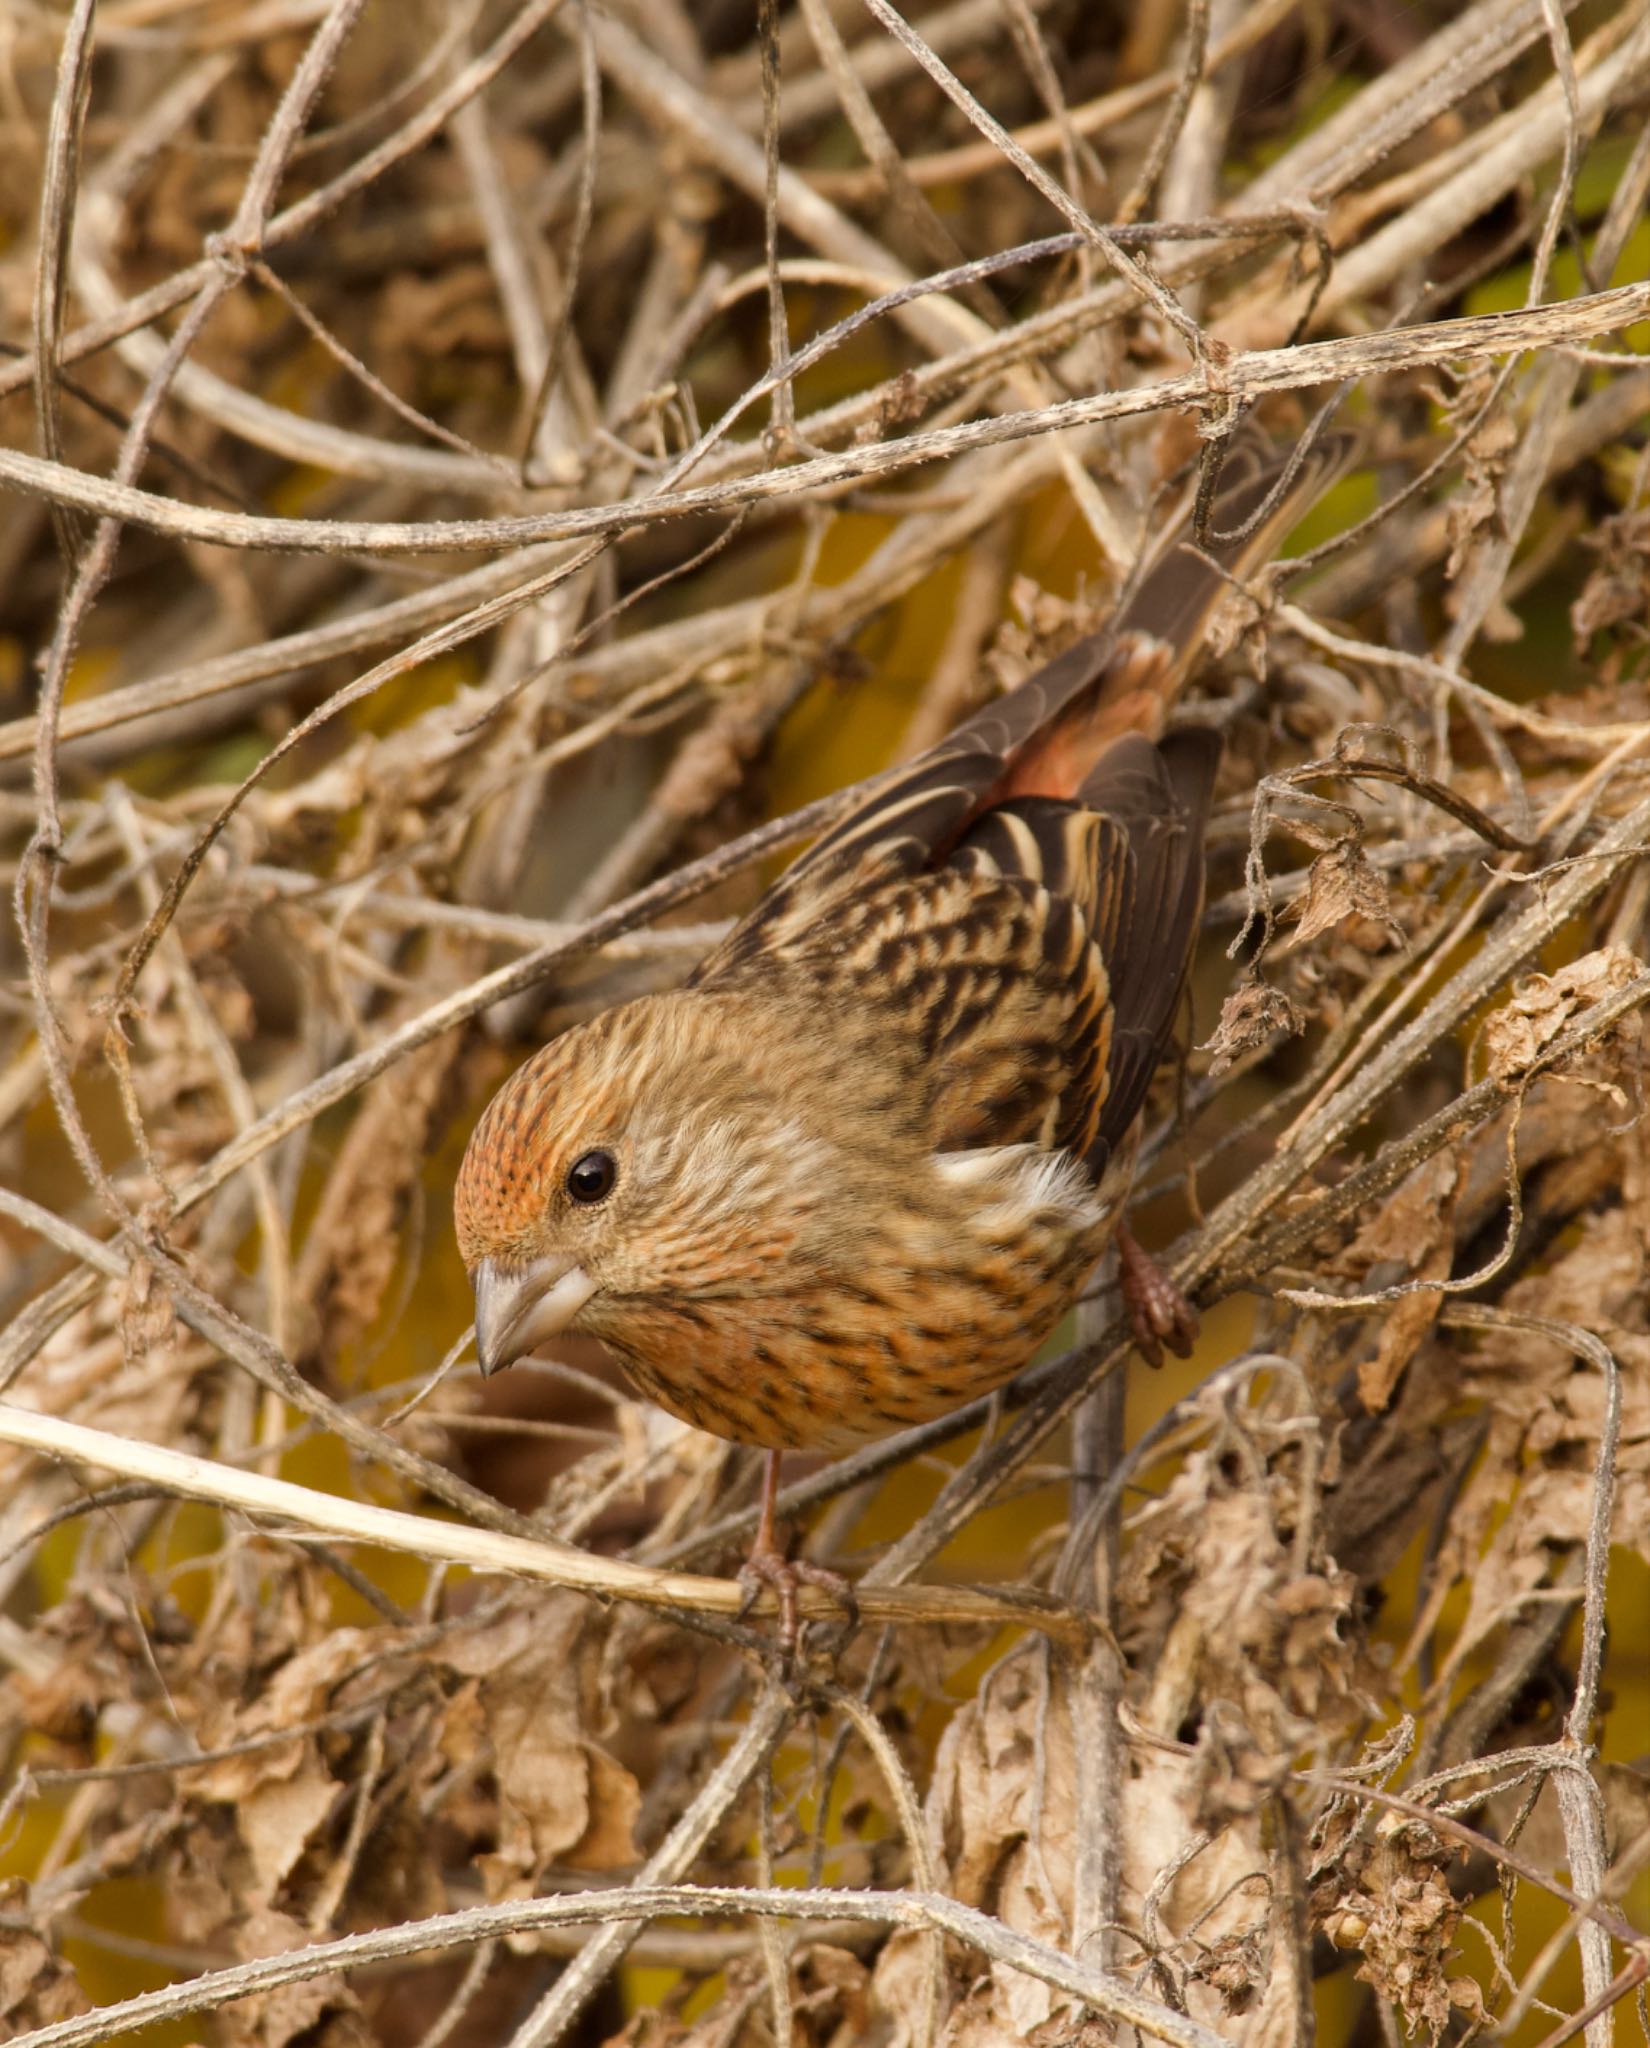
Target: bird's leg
x,y
768,1565
1159,1313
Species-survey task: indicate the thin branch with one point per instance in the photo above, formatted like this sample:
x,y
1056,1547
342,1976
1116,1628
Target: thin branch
x,y
538,1556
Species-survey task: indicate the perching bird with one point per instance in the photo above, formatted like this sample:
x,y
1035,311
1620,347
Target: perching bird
x,y
853,1172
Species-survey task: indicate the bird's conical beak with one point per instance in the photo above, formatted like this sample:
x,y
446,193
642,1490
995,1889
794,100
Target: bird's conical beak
x,y
517,1308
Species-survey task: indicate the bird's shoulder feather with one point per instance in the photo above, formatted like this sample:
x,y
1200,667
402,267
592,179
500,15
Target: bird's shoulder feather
x,y
971,998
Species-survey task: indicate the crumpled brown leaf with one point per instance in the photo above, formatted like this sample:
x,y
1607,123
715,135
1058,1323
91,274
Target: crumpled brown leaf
x,y
1545,1409
1544,1005
1251,1016
1214,1565
1389,1897
1006,1822
1617,593
280,1795
322,2011
1043,626
1341,883
1002,1818
1476,508
36,1987
1415,1224
534,1701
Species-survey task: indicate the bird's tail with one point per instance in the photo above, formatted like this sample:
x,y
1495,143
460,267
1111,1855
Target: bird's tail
x,y
1055,726
1176,598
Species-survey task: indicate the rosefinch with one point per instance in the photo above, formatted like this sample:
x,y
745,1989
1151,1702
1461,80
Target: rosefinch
x,y
854,1171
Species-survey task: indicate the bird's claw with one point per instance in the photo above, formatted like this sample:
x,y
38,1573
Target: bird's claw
x,y
772,1571
1158,1312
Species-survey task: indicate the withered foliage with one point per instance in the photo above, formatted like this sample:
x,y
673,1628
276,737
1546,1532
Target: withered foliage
x,y
468,468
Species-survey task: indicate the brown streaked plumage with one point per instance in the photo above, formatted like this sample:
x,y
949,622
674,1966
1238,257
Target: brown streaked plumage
x,y
854,1171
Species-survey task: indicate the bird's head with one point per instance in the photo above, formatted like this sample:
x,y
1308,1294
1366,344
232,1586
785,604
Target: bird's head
x,y
641,1158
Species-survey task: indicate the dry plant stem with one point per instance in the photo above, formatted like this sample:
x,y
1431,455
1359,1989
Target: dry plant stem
x,y
695,639
1192,70
440,640
535,1556
559,342
276,1252
908,1808
1139,280
1436,75
1087,1569
1515,144
907,1909
1412,545
770,1939
671,100
1602,418
57,209
1504,951
296,220
253,419
1286,1240
879,146
254,1353
1515,717
1632,1973
35,872
1451,64
1580,1804
1556,381
319,331
248,1349
1039,66
289,655
1245,376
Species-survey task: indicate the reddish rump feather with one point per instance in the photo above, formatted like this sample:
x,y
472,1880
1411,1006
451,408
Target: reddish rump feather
x,y
1129,694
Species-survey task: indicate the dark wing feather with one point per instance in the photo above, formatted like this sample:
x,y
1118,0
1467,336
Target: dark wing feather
x,y
1125,860
895,833
1175,597
1158,796
1076,865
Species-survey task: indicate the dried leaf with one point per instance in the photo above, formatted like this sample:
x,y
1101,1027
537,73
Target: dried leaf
x,y
1251,1016
36,1987
1390,1897
1617,593
1043,626
1544,1005
277,1818
321,2011
1414,1226
1341,883
562,1797
1476,507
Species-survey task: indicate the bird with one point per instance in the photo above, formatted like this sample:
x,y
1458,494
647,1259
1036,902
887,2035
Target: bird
x,y
852,1172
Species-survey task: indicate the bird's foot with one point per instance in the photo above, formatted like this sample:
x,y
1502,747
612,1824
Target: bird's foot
x,y
769,1569
1158,1312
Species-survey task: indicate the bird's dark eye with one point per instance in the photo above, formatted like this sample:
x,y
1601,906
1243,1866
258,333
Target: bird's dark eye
x,y
591,1178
